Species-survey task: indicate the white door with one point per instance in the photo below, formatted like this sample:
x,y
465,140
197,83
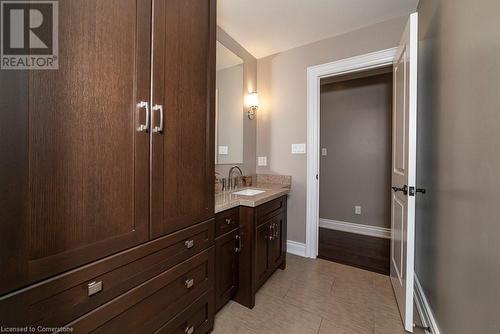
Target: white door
x,y
403,171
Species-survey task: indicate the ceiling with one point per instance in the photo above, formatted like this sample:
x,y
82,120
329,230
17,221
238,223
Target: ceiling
x,y
266,27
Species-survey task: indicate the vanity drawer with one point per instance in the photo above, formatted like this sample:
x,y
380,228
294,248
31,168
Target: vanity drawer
x,y
62,299
198,318
226,221
267,210
149,306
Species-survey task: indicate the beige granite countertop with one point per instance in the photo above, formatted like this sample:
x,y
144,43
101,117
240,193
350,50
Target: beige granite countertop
x,y
225,200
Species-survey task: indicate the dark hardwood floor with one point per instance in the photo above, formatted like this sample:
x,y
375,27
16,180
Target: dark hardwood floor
x,y
365,252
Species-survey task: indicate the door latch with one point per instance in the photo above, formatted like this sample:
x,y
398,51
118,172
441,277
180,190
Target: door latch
x,y
412,191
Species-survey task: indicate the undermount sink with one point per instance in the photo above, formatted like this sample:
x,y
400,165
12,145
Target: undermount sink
x,y
249,192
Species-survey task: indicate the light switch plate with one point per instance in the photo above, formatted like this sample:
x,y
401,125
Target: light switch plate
x,y
357,210
261,161
223,150
324,152
298,148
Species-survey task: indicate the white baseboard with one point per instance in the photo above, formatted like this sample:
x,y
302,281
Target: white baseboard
x,y
296,248
373,231
423,308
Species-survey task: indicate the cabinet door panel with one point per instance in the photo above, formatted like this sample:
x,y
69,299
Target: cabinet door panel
x,y
275,246
82,178
226,268
261,252
182,182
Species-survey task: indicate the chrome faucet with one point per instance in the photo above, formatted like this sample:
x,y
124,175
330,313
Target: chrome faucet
x,y
233,183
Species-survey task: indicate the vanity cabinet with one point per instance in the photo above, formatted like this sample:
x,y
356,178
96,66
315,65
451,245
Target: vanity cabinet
x,y
261,245
107,210
269,248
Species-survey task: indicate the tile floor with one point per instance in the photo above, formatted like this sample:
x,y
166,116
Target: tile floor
x,y
316,296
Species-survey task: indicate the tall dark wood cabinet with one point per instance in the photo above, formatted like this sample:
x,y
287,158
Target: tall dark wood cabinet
x,y
83,179
183,84
107,200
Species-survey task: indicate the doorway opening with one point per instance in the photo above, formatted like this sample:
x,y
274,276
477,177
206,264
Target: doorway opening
x,y
338,70
355,169
403,166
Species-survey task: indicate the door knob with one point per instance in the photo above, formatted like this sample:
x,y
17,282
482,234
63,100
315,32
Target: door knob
x,y
404,189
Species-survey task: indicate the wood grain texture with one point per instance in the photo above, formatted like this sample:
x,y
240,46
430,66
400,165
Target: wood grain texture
x,y
226,268
183,81
361,251
260,257
226,221
83,174
147,307
64,298
199,315
245,295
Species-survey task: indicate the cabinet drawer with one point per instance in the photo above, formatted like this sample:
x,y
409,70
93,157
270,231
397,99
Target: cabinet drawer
x,y
226,221
265,211
149,306
60,300
196,319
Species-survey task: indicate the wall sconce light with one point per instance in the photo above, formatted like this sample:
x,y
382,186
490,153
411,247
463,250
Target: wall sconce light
x,y
253,104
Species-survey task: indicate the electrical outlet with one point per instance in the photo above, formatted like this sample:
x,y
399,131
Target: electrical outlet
x,y
223,150
357,209
261,161
324,152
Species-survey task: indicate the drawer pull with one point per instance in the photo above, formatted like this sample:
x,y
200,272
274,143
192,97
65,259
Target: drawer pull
x,y
189,283
189,243
228,221
94,288
238,248
189,330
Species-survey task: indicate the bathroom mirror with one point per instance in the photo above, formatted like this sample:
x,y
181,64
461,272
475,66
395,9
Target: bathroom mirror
x,y
229,107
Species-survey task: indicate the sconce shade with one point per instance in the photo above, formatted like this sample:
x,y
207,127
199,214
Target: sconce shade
x,y
253,100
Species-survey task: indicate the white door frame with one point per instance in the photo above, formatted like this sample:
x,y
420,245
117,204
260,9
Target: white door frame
x,y
314,75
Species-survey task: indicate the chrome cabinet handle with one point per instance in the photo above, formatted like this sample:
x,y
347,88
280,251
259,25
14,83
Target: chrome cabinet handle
x,y
144,127
189,243
93,288
228,221
189,330
189,283
276,231
271,232
238,248
158,107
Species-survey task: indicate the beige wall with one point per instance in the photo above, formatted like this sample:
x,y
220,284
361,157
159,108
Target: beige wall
x,y
249,85
356,129
458,220
282,116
